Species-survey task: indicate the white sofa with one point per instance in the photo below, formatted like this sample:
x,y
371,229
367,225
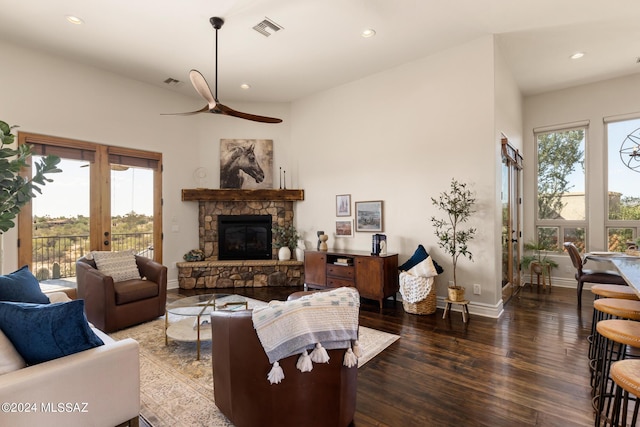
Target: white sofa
x,y
96,387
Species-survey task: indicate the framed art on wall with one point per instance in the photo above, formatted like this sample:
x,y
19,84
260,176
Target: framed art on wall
x,y
343,205
369,216
344,228
246,163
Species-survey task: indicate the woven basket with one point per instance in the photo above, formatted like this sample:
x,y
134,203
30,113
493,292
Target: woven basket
x,y
456,294
426,306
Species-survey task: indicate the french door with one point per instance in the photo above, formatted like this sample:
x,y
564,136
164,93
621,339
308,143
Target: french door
x,y
511,214
106,198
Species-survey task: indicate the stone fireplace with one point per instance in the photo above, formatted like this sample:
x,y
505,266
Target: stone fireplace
x,y
218,273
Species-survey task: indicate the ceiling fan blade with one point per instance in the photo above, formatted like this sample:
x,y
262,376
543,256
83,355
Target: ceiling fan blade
x,y
223,109
204,109
202,87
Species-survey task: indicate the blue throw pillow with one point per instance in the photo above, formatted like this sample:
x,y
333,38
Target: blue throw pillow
x,y
418,256
42,332
21,286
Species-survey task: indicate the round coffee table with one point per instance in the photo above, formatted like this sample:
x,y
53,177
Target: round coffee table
x,y
196,311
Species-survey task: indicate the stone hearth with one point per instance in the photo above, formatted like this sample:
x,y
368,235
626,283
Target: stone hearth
x,y
213,273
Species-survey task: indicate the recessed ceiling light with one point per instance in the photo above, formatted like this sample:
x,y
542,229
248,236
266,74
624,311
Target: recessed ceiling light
x,y
245,86
577,55
369,32
74,19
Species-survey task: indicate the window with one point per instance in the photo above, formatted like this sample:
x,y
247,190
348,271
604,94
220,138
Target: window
x,y
623,201
561,209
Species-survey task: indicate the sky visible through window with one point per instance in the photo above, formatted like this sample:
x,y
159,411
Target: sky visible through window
x,y
68,194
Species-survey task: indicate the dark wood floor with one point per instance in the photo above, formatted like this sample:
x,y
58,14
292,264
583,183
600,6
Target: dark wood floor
x,y
528,368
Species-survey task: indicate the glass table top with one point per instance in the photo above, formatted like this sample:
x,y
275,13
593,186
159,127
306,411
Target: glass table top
x,y
204,304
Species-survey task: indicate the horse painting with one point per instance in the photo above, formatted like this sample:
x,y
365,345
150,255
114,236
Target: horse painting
x,y
240,161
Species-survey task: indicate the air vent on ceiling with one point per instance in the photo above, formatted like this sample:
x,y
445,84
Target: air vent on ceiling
x,y
267,27
172,82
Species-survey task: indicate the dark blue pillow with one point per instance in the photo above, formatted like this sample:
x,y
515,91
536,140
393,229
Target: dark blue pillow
x,y
21,286
418,256
42,332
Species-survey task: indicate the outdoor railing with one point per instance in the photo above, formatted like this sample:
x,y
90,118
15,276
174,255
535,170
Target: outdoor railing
x,y
55,257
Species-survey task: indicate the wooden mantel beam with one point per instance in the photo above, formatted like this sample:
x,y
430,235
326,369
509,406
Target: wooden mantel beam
x,y
235,195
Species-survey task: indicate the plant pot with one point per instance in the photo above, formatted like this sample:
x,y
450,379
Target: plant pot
x,y
284,253
456,293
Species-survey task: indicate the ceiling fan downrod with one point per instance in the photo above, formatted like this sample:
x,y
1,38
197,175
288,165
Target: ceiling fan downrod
x,y
217,23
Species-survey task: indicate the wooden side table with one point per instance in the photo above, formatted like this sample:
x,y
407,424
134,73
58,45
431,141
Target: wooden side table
x,y
463,303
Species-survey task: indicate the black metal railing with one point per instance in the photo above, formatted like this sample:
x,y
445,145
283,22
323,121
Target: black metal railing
x,y
55,257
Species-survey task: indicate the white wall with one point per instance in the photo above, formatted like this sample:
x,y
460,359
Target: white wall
x,y
590,102
400,136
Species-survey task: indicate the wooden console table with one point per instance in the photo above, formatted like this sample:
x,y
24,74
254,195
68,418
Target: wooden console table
x,y
375,276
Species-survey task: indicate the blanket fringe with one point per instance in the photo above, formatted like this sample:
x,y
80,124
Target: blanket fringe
x,y
350,359
276,375
356,349
304,363
319,354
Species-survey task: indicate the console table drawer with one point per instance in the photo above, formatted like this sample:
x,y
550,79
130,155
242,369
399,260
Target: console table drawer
x,y
342,271
333,282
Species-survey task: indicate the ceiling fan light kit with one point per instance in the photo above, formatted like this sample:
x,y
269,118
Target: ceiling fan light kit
x,y
213,105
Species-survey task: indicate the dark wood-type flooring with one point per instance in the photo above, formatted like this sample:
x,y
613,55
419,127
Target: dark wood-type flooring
x,y
528,368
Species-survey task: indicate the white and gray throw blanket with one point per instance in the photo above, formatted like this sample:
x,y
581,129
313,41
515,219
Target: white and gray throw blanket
x,y
318,321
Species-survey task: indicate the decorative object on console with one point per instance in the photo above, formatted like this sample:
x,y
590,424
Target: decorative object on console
x,y
343,205
213,105
369,216
457,205
323,242
378,243
319,233
194,255
344,228
246,163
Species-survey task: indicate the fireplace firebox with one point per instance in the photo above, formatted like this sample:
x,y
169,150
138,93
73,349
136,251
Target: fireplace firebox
x,y
243,237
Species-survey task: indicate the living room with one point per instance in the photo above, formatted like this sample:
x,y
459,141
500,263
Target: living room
x,y
397,135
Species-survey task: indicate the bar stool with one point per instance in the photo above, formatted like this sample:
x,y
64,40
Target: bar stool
x,y
626,376
617,335
604,309
607,291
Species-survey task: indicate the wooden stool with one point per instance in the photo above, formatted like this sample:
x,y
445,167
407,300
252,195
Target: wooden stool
x,y
626,376
465,308
616,335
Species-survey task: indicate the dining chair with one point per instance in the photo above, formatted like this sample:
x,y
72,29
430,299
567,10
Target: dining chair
x,y
607,277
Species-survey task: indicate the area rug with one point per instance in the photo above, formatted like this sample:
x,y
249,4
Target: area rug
x,y
177,390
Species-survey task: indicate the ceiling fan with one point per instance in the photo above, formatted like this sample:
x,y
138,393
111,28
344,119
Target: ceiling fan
x,y
213,105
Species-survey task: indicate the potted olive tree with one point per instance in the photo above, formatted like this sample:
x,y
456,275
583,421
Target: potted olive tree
x,y
457,205
16,190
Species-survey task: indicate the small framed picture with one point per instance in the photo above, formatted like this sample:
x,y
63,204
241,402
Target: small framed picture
x,y
369,216
343,205
344,228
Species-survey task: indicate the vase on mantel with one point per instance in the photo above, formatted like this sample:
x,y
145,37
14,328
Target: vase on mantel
x,y
300,250
284,253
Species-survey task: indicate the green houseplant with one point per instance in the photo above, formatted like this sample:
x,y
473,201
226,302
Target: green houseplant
x,y
457,205
16,190
284,236
536,261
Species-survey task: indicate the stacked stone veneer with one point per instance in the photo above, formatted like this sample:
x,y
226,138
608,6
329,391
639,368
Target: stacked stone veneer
x,y
212,273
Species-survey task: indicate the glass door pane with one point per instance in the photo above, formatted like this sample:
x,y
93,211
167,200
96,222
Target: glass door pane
x,y
61,221
132,209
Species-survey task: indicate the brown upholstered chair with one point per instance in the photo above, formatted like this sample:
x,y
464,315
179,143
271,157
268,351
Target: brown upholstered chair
x,y
607,277
113,306
325,397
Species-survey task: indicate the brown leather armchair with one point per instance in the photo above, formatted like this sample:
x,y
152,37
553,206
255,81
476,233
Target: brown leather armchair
x,y
113,306
326,396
